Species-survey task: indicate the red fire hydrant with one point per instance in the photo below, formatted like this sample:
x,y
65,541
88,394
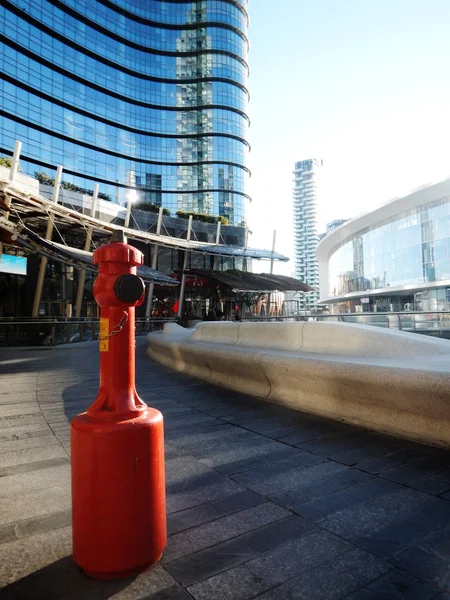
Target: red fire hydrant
x,y
117,446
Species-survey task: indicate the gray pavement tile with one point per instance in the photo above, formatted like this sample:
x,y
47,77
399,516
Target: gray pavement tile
x,y
416,469
171,434
309,469
272,457
21,420
33,466
395,585
34,480
200,565
427,562
402,533
183,499
375,513
63,579
25,408
22,557
35,525
298,495
224,528
433,483
320,508
209,511
328,448
27,443
197,440
35,503
238,450
23,431
171,593
30,455
389,461
9,399
378,449
272,568
333,580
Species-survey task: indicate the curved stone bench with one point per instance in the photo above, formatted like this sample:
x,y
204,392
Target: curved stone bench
x,y
389,381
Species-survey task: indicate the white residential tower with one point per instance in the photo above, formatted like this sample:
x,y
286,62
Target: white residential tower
x,y
306,175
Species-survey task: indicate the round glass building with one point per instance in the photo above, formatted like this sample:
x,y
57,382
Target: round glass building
x,y
145,97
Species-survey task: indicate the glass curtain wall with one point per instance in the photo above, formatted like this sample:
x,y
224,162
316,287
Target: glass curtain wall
x,y
410,248
144,95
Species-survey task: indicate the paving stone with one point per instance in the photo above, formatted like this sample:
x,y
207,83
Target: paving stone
x,y
63,579
395,585
427,562
402,533
181,500
433,483
332,581
416,469
209,511
208,562
272,568
389,461
237,451
33,466
304,477
23,409
319,508
378,449
20,558
298,495
27,443
328,449
374,513
269,457
35,503
21,420
266,481
30,455
12,485
8,399
171,593
224,528
22,431
207,422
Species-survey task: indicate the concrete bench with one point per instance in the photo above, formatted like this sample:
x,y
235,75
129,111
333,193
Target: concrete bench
x,y
389,381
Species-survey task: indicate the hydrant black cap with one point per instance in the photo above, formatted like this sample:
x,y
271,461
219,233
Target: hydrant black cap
x,y
129,288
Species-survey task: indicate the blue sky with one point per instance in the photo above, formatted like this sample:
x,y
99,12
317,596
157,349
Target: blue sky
x,y
363,84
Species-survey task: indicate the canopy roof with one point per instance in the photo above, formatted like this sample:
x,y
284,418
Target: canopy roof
x,y
32,210
73,256
240,281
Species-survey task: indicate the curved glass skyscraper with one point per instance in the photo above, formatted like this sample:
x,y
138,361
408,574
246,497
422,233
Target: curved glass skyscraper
x,y
144,95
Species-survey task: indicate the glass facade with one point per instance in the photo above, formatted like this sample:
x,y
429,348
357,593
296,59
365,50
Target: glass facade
x,y
145,95
411,248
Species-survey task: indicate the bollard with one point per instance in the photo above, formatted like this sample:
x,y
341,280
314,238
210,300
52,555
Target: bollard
x,y
117,445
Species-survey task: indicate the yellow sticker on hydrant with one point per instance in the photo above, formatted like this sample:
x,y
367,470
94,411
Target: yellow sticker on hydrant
x,y
104,334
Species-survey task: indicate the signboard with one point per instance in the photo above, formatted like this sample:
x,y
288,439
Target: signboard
x,y
15,265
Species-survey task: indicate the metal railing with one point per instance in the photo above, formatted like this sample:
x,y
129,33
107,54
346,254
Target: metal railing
x,y
426,323
52,332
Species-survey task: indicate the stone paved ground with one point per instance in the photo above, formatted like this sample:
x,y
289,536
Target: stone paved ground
x,y
262,501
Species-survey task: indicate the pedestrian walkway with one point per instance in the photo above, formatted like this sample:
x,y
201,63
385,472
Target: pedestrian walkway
x,y
262,501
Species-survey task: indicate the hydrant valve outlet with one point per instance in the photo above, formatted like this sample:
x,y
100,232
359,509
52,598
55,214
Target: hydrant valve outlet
x,y
129,288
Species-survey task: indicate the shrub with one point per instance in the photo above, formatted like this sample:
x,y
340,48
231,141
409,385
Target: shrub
x,y
149,207
202,217
45,179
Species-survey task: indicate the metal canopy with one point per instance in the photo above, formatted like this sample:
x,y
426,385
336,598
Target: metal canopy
x,y
31,210
73,256
241,281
